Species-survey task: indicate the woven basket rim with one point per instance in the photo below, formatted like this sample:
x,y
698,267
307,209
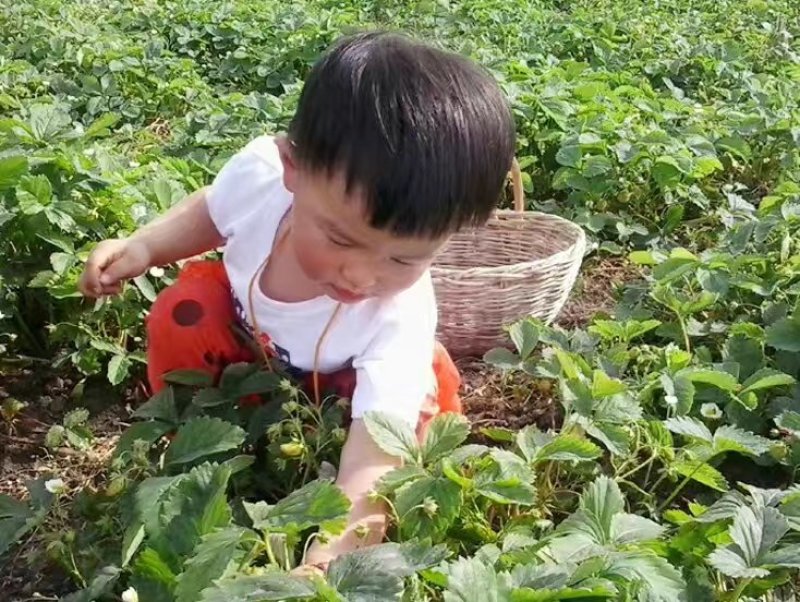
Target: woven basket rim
x,y
565,255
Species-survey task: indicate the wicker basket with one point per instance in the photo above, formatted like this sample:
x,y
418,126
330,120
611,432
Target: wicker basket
x,y
522,263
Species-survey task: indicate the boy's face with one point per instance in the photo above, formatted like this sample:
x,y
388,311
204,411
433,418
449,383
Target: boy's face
x,y
337,248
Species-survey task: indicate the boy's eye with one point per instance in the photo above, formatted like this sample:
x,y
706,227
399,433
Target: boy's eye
x,y
402,262
339,242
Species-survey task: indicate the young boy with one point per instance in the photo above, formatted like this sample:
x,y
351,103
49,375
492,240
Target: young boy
x,y
329,232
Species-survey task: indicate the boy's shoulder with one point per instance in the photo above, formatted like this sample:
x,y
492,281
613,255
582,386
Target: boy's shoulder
x,y
264,150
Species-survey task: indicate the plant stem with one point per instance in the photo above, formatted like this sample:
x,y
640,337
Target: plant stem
x,y
685,332
737,593
679,488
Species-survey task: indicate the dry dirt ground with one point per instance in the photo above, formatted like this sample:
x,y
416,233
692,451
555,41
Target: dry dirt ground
x,y
491,400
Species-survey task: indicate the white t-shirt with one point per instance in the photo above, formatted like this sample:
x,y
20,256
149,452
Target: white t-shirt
x,y
389,342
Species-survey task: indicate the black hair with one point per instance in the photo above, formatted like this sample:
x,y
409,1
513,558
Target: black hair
x,y
426,135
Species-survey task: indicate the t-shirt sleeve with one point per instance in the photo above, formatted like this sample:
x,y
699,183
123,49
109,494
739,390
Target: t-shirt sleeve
x,y
249,178
395,373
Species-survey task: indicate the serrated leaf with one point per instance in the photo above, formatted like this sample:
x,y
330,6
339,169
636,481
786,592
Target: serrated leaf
x,y
393,435
663,582
11,169
721,380
689,427
318,503
700,472
502,358
418,519
604,386
376,573
471,580
271,586
525,336
186,509
731,438
149,431
190,378
755,532
16,519
445,433
630,528
766,378
203,436
208,562
118,368
150,566
396,477
160,406
789,421
505,478
613,436
569,448
784,334
569,155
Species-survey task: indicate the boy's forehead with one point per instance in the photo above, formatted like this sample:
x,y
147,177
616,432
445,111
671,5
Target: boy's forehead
x,y
347,212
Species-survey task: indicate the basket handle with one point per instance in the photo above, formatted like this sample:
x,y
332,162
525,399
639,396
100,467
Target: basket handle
x,y
516,183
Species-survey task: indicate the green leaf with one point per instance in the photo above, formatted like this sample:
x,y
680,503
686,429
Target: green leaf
x,y
131,540
396,477
789,421
11,169
666,172
203,436
502,358
471,580
568,448
596,165
766,378
427,506
149,431
150,566
604,386
393,435
207,563
445,433
700,472
613,436
642,258
525,336
160,406
177,513
784,334
731,438
689,427
662,581
273,585
630,528
721,380
101,585
144,286
755,532
316,503
569,155
190,378
505,478
15,520
376,573
118,368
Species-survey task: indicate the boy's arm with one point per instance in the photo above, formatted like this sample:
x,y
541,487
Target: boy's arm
x,y
362,464
185,230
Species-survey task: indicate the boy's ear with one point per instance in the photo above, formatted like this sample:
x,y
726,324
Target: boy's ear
x,y
289,161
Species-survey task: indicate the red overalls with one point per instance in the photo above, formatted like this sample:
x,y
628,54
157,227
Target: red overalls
x,y
189,328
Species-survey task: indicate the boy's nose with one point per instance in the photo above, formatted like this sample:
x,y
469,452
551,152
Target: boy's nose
x,y
358,278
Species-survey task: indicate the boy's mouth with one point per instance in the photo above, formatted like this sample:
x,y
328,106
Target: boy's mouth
x,y
346,296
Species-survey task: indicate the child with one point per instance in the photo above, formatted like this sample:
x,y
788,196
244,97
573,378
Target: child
x,y
329,232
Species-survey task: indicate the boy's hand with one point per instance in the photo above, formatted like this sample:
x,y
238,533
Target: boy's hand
x,y
111,262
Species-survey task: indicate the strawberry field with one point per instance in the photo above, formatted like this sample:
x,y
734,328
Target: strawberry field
x,y
644,447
